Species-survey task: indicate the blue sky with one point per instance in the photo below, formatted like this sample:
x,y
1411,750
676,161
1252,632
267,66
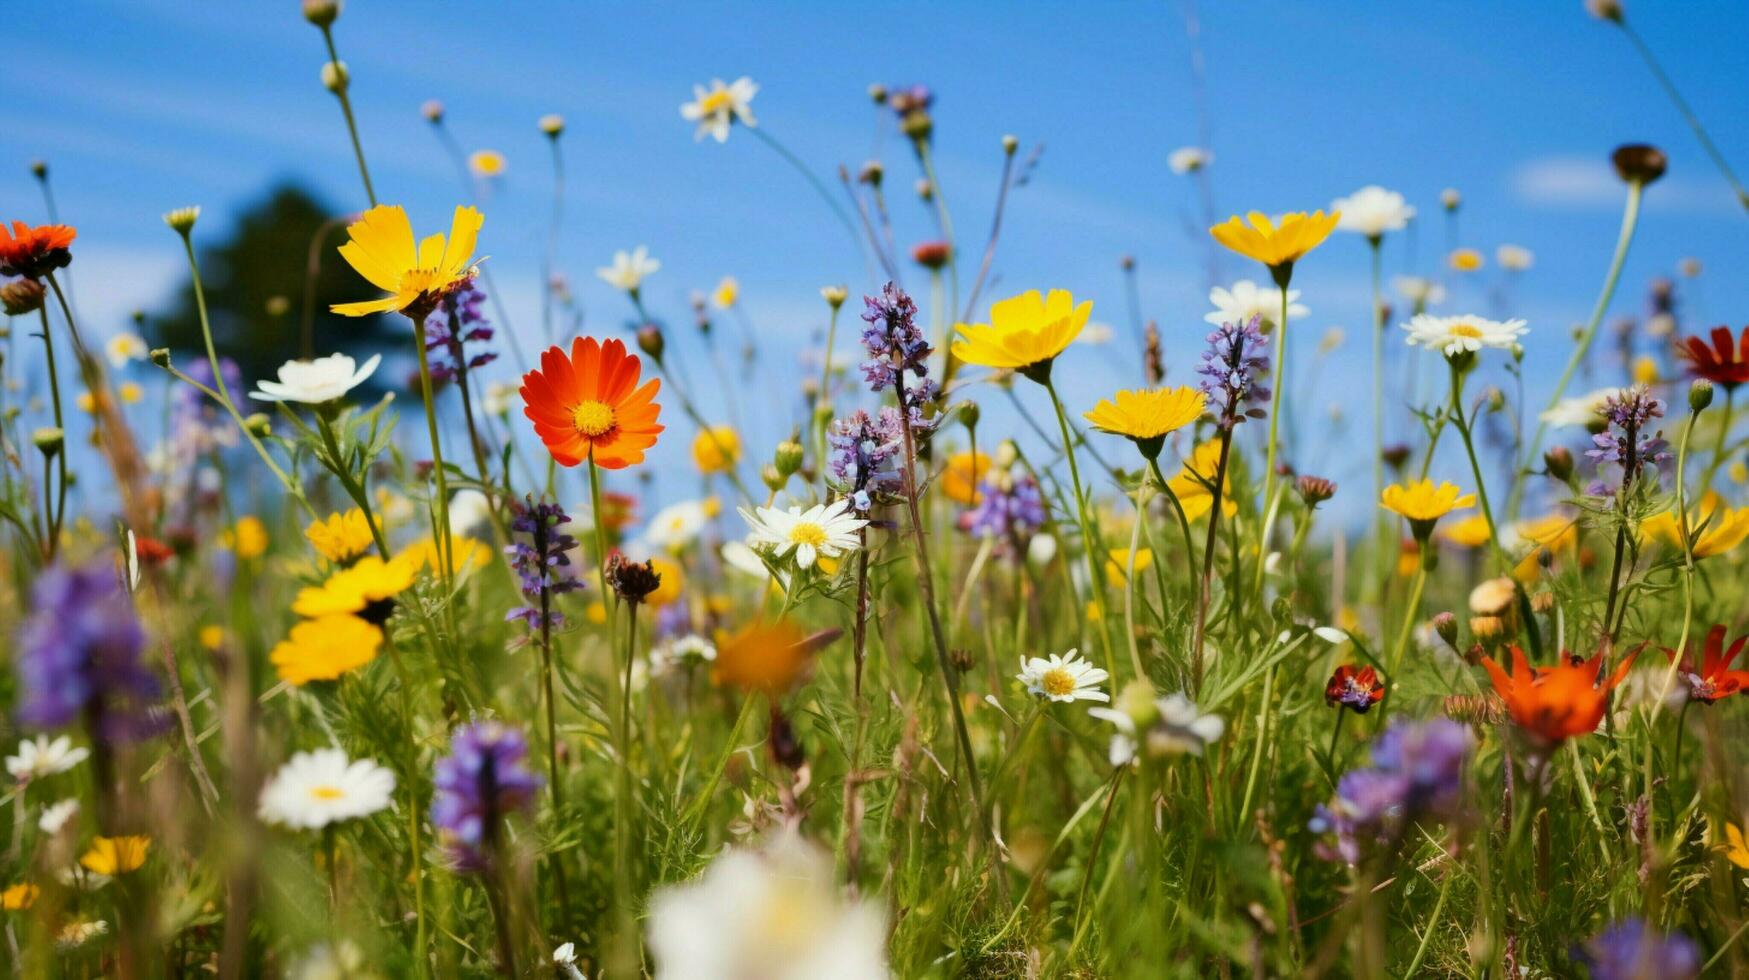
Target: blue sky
x,y
145,105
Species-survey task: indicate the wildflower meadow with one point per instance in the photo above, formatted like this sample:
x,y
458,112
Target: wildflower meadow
x,y
381,607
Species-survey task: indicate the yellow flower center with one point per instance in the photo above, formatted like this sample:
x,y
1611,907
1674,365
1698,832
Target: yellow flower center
x,y
593,419
808,533
1467,330
416,281
715,102
326,792
1058,682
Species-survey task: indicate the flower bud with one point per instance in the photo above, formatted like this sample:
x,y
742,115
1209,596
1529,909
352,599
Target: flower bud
x,y
321,13
1542,603
1445,624
878,93
931,255
823,414
1609,10
1314,490
788,458
962,659
1496,399
1559,463
21,297
552,124
49,440
970,414
1700,395
1494,597
871,173
1010,143
1395,455
182,220
1639,163
835,295
160,356
1450,199
432,110
335,77
917,125
650,341
772,477
258,424
39,169
925,191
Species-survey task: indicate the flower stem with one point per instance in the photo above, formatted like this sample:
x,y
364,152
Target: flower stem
x,y
1381,526
1282,280
351,124
1208,564
1090,542
440,509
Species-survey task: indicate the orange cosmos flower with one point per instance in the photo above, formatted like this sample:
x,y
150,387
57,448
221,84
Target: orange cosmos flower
x,y
35,252
1556,703
589,406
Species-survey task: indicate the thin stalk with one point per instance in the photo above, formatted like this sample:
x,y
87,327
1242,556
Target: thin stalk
x,y
351,123
1381,526
1091,548
1282,279
57,509
814,181
440,511
1688,114
1208,564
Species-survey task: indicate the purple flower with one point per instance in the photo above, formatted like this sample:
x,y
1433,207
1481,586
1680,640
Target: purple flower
x,y
1233,369
457,321
198,427
1631,949
906,99
1417,772
893,341
79,657
480,782
864,457
1010,510
542,562
1626,441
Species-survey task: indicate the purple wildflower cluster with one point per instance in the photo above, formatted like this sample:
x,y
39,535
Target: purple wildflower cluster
x,y
864,456
79,657
906,99
541,563
1417,772
480,782
1233,369
1631,948
1626,441
896,345
458,321
1010,509
198,427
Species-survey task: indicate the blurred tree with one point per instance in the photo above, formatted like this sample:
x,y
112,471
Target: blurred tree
x,y
264,305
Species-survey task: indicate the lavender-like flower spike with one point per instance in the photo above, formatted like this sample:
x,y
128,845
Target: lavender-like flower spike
x,y
1233,369
1632,948
895,346
1626,442
542,562
79,657
458,321
1417,772
864,457
1010,510
478,784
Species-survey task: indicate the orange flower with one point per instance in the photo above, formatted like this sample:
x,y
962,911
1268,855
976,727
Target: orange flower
x,y
765,656
589,405
34,252
1556,703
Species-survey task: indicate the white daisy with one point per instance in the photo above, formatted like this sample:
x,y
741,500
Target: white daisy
x,y
1188,159
314,382
775,913
1173,726
55,816
742,558
1514,258
1041,549
123,348
41,757
331,961
716,107
1372,211
565,962
629,269
469,510
688,652
823,530
1581,410
678,525
318,788
1062,677
1452,335
1247,299
500,397
1419,291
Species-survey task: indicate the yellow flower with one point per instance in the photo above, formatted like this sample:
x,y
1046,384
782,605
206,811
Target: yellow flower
x,y
596,612
382,249
1025,333
1422,503
365,589
1147,417
1465,260
1470,532
323,648
466,555
961,476
130,393
1192,483
1645,370
211,636
768,657
342,537
248,538
1278,246
716,450
19,897
669,588
1735,849
113,856
1117,568
1724,528
486,163
87,402
727,291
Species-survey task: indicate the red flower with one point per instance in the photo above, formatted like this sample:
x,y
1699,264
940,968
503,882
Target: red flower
x,y
587,405
1559,702
35,252
931,255
1725,363
1714,679
151,551
1354,688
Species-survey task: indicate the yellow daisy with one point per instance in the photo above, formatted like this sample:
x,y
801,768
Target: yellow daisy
x,y
717,449
1724,527
1191,484
323,648
1147,417
1025,333
248,538
382,249
1470,532
1117,567
1422,503
341,537
466,554
1465,260
1277,244
1735,849
19,897
486,163
112,856
962,475
367,589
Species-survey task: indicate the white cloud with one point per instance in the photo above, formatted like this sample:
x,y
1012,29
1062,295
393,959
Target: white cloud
x,y
1576,183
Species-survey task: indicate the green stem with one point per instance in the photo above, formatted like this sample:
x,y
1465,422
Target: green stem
x,y
1432,924
1688,115
57,510
1282,277
1410,613
1381,526
440,511
1718,457
1091,547
351,124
